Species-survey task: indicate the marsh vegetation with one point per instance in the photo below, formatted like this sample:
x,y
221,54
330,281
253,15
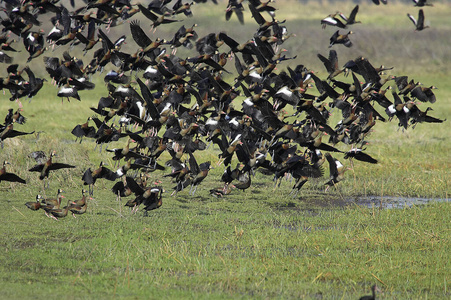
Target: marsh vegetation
x,y
260,243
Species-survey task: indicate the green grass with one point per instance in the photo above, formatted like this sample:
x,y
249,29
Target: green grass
x,y
261,243
205,248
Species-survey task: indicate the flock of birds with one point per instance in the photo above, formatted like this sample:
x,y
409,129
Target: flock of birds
x,y
159,102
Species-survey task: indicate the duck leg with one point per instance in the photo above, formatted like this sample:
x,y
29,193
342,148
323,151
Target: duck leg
x,y
195,188
220,161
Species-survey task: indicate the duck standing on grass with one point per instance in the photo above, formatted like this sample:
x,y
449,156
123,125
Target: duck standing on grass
x,y
60,212
34,205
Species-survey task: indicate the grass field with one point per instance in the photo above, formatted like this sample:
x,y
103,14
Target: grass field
x,y
261,243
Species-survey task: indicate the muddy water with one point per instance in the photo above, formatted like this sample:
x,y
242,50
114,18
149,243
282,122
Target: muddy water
x,y
391,202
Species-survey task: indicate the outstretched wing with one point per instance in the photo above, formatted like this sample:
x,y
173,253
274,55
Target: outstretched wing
x,y
420,18
37,168
139,36
354,12
147,96
57,166
194,167
412,18
11,177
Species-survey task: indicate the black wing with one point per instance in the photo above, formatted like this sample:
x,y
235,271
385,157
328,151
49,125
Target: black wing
x,y
332,166
37,168
256,15
194,167
148,97
11,177
147,13
354,12
420,22
139,36
106,40
87,177
57,166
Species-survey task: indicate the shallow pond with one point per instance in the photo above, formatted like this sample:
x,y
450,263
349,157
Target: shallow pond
x,y
394,202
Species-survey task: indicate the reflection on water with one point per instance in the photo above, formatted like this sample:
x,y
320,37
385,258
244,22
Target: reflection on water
x,y
394,202
384,202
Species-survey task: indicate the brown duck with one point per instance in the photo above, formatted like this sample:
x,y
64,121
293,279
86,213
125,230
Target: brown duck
x,y
45,168
34,205
52,203
60,212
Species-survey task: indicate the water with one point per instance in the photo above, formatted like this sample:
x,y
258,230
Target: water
x,y
391,202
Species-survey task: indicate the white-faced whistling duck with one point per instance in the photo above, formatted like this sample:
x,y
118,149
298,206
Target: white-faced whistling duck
x,y
156,20
351,19
8,131
125,188
424,93
421,3
45,168
358,154
82,201
36,205
89,41
419,24
418,116
398,109
60,212
181,38
338,38
264,25
79,206
228,148
244,181
331,64
67,91
82,130
154,200
230,175
6,176
235,6
185,8
77,210
222,191
331,20
47,204
199,172
336,171
147,195
374,288
90,177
